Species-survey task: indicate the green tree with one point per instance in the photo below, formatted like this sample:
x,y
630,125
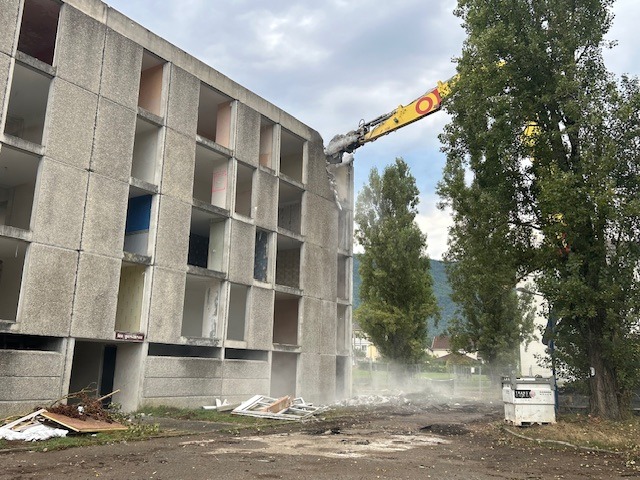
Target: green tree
x,y
564,197
492,320
396,291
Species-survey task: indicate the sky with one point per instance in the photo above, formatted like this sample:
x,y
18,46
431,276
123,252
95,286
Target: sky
x,y
332,63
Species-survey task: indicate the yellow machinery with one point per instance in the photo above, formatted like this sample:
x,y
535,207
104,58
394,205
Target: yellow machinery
x,y
402,116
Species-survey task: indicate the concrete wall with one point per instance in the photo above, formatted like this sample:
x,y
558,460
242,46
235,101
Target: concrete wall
x,y
95,139
182,382
28,379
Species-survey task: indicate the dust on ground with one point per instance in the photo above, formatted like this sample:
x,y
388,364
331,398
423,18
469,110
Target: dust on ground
x,y
404,439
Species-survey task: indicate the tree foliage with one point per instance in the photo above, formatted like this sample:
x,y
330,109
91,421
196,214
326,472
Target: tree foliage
x,y
561,200
396,290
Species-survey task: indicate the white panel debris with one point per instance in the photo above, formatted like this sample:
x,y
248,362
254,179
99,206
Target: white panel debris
x,y
283,408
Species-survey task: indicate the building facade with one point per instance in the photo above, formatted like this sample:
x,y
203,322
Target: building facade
x,y
163,230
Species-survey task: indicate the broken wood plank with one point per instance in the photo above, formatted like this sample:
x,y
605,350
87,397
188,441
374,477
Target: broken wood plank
x,y
83,426
278,406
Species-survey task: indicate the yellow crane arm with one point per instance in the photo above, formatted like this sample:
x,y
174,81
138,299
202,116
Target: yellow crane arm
x,y
402,116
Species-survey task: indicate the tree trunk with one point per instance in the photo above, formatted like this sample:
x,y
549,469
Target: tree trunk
x,y
604,401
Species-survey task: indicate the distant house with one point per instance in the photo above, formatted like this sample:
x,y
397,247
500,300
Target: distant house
x,y
361,343
441,350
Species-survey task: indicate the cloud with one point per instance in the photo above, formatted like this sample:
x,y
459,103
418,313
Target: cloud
x,y
435,224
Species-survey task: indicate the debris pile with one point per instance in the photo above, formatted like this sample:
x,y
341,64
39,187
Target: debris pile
x,y
86,416
284,408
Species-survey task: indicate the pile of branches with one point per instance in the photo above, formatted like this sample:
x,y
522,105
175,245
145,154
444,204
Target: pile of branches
x,y
84,406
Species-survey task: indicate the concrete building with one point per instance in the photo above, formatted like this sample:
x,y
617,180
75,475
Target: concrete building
x,y
163,230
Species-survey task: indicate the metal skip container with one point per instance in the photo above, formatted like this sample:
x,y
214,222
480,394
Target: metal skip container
x,y
528,400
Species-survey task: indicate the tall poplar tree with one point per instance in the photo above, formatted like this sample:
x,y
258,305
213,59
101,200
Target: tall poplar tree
x,y
396,291
544,144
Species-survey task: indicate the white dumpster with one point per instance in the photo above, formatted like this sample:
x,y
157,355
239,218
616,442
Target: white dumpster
x,y
528,400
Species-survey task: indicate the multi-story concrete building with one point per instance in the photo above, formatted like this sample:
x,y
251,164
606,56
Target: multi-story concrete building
x,y
163,230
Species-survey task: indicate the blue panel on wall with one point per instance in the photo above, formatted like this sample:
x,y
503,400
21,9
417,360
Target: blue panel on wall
x,y
138,214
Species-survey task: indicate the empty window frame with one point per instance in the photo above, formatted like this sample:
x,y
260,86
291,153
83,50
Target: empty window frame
x,y
200,308
27,104
17,187
343,277
284,369
151,79
14,341
214,116
137,227
343,365
244,190
290,207
12,257
130,298
39,29
342,340
343,185
267,128
251,355
291,155
206,240
189,351
288,262
285,318
261,256
237,317
344,230
145,151
210,177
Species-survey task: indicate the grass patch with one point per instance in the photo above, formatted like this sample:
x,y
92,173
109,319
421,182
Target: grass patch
x,y
584,430
134,433
588,432
203,415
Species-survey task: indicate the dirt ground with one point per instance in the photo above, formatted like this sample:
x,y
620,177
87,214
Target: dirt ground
x,y
394,441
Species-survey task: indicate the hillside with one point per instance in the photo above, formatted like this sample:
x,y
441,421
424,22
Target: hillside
x,y
441,290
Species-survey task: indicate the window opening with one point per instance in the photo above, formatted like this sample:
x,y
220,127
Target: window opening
x,y
150,92
344,230
18,173
261,257
244,187
12,341
12,256
284,367
291,155
288,262
290,207
342,280
285,319
193,351
206,240
200,308
214,116
130,298
342,342
342,365
39,29
236,323
210,177
27,104
145,151
254,355
136,230
343,185
266,143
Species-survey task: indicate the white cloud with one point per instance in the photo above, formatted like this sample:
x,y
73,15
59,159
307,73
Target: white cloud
x,y
435,224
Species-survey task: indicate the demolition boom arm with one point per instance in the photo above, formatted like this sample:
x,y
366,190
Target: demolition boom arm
x,y
402,116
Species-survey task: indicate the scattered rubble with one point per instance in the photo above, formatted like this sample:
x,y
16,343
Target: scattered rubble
x,y
87,416
284,408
